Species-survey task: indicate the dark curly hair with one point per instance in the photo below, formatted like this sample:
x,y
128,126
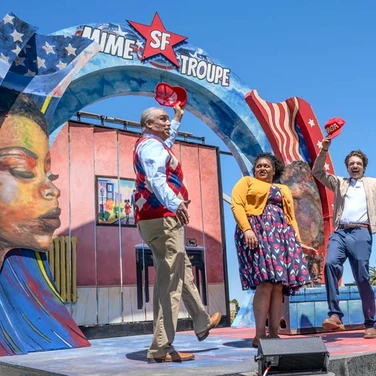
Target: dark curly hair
x,y
277,164
357,153
14,103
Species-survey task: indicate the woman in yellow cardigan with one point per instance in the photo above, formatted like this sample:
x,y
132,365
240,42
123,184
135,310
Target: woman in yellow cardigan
x,y
270,255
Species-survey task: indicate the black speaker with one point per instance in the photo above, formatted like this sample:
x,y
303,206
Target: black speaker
x,y
292,356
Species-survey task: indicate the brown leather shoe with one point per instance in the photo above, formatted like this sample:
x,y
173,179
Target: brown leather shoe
x,y
333,323
214,321
370,333
175,356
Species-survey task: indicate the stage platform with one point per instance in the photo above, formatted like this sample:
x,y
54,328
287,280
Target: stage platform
x,y
227,351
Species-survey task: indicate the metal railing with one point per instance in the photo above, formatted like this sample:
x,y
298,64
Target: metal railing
x,y
128,125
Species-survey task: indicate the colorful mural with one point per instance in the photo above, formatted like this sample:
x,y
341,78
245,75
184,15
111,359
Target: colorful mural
x,y
34,72
132,59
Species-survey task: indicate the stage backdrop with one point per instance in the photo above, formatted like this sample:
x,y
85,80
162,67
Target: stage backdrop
x,y
96,180
61,75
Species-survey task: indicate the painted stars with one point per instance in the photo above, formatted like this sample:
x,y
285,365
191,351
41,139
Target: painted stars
x,y
8,19
49,48
71,50
19,61
41,62
61,65
158,41
4,58
17,37
311,123
17,50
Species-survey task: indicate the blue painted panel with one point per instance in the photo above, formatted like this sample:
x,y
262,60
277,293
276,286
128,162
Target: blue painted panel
x,y
321,312
293,316
306,314
32,314
355,312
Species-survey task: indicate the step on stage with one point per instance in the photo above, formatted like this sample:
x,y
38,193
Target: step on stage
x,y
227,351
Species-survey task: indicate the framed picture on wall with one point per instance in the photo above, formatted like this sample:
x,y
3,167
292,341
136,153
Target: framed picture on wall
x,y
114,201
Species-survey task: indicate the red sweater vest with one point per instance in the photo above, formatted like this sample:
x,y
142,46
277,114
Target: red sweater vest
x,y
147,204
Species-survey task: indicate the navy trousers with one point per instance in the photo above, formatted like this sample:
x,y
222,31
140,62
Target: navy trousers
x,y
356,245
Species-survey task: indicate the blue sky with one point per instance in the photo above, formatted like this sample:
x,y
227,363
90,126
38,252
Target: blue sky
x,y
322,51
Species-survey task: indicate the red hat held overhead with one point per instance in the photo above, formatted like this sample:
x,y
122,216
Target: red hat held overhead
x,y
333,127
170,96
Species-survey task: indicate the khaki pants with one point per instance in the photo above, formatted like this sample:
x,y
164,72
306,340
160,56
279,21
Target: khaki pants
x,y
173,281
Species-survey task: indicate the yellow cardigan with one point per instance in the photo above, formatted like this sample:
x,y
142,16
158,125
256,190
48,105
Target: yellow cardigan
x,y
249,198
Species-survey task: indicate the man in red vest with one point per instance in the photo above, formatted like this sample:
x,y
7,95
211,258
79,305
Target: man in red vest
x,y
161,214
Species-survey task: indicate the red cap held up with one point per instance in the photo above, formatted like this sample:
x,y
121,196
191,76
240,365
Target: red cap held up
x,y
333,127
170,96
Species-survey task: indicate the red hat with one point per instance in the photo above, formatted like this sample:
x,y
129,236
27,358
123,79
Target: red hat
x,y
333,127
170,96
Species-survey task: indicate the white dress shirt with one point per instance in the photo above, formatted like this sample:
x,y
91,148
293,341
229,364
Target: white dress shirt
x,y
153,157
355,210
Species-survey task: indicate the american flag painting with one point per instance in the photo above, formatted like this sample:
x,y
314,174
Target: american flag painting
x,y
294,135
14,34
38,65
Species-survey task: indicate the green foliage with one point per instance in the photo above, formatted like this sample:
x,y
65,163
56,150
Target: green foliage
x,y
372,275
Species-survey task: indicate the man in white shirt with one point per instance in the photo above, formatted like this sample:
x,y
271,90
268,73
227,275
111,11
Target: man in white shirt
x,y
354,222
161,213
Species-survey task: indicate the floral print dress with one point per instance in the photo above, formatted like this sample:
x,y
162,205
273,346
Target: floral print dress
x,y
279,257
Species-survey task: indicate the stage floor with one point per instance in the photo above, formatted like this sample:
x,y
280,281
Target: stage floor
x,y
227,351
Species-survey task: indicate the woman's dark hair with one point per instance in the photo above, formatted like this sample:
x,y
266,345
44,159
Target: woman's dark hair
x,y
14,103
357,153
277,164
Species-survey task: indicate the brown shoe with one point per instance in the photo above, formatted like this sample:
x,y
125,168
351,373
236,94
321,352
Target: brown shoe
x,y
255,342
370,333
333,323
172,357
214,321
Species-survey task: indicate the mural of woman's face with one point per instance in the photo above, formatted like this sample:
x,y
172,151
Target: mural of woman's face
x,y
28,199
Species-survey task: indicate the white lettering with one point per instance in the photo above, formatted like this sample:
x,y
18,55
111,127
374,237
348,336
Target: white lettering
x,y
225,77
192,65
211,73
114,45
160,40
201,69
95,34
184,62
165,40
117,45
128,50
155,35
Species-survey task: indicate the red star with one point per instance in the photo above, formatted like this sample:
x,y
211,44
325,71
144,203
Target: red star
x,y
158,40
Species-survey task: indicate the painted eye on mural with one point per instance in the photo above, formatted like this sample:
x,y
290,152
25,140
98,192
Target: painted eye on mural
x,y
52,177
20,173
